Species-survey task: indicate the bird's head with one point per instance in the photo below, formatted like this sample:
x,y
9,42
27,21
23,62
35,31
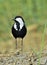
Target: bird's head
x,y
19,19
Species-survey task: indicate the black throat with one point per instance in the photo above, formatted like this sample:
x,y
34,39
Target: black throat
x,y
18,25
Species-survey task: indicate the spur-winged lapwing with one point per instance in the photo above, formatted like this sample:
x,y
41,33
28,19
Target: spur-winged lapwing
x,y
19,29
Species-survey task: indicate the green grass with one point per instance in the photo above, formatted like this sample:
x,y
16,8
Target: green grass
x,y
39,53
42,43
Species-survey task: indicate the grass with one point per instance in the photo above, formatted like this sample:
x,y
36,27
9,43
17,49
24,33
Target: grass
x,y
42,43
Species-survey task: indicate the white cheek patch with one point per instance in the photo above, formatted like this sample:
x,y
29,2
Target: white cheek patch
x,y
15,26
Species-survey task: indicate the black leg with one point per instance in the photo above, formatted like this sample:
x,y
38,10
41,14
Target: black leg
x,y
22,45
16,43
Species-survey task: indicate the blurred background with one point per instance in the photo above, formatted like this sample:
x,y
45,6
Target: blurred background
x,y
34,13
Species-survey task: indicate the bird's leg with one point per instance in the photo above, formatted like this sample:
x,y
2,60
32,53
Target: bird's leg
x,y
22,45
16,43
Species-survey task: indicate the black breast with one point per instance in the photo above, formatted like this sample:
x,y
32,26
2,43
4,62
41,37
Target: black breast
x,y
19,34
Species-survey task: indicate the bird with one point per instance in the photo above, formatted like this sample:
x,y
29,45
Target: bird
x,y
19,29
